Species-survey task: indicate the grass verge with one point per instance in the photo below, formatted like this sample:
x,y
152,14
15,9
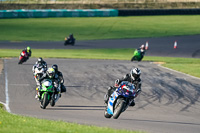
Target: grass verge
x,y
186,65
189,66
10,123
90,28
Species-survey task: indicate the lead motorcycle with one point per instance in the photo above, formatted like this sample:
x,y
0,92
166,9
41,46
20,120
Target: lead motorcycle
x,y
23,57
119,100
48,94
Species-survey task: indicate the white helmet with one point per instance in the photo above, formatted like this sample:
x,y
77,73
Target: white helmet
x,y
135,73
142,46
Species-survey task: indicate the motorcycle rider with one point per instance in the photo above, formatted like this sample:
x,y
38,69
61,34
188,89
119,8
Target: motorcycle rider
x,y
28,51
50,74
133,77
70,38
40,62
59,77
142,51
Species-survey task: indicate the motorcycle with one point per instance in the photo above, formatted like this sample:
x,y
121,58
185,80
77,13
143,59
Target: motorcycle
x,y
119,100
23,57
38,72
47,94
69,41
137,55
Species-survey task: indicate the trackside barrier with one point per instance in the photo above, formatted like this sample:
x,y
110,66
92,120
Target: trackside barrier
x,y
58,13
145,12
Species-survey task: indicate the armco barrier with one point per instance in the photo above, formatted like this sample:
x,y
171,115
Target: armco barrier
x,y
142,12
58,13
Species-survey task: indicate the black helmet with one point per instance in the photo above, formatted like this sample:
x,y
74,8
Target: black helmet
x,y
71,35
55,67
40,60
135,73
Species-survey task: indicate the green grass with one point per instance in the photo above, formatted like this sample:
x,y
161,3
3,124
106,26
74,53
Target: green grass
x,y
55,29
187,65
10,123
119,54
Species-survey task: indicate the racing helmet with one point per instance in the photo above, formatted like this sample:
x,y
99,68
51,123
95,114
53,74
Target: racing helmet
x,y
55,67
40,60
142,46
28,49
135,73
51,72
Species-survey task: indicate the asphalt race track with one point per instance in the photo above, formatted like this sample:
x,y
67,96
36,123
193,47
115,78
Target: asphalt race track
x,y
188,46
169,102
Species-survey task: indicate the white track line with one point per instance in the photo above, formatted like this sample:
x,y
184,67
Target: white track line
x,y
6,87
20,84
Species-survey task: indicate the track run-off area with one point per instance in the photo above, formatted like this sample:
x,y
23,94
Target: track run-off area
x,y
169,101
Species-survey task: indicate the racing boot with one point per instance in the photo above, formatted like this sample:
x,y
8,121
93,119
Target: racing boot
x,y
37,96
108,94
106,97
59,91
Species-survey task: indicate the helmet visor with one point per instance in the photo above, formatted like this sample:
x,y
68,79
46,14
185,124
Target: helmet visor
x,y
136,76
51,75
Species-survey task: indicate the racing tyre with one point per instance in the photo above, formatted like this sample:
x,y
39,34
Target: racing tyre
x,y
20,62
44,101
133,58
52,102
119,105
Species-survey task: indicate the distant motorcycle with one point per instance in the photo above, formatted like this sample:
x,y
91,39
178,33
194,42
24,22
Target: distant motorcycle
x,y
23,57
69,41
119,100
137,55
47,94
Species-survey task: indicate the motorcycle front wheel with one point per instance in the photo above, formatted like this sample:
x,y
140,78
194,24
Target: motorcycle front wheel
x,y
133,58
118,107
52,102
44,101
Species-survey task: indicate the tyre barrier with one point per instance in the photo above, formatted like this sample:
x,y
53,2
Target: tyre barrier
x,y
144,12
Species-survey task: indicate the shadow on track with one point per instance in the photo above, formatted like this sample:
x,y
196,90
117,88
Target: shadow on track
x,y
168,89
167,122
75,107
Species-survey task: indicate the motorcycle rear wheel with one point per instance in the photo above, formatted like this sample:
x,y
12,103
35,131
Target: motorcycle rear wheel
x,y
52,102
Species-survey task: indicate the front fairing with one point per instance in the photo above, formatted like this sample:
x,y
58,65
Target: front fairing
x,y
137,53
39,71
47,86
24,54
111,101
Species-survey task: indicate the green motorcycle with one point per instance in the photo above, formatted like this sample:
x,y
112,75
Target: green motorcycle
x,y
47,94
137,55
